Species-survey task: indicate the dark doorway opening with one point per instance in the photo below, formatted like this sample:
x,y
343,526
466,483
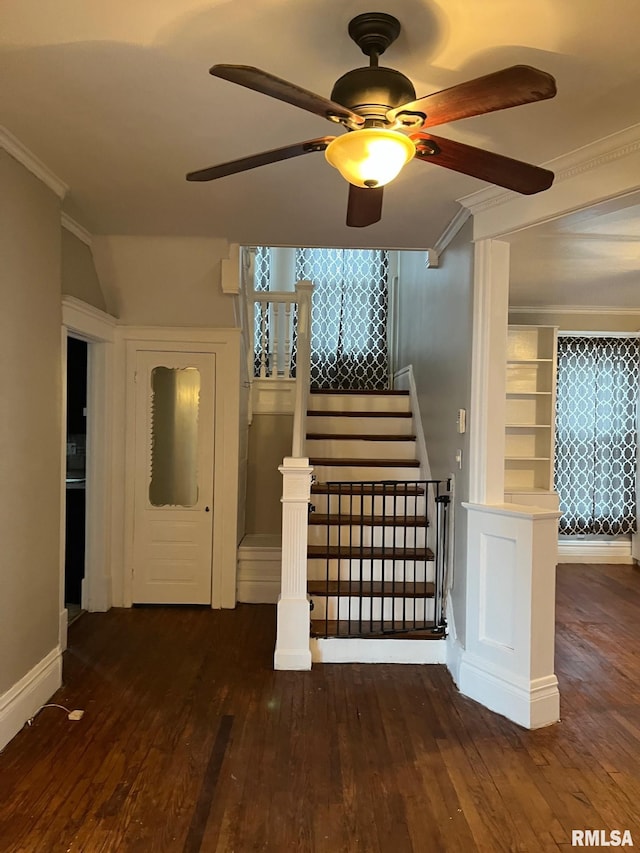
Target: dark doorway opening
x,y
76,474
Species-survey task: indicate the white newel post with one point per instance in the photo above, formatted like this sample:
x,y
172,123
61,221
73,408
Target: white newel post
x,y
292,639
508,662
304,292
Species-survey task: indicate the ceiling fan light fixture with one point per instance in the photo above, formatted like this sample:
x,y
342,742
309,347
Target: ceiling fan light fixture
x,y
371,157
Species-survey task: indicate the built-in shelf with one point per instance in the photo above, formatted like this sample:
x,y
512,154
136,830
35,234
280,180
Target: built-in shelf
x,y
530,414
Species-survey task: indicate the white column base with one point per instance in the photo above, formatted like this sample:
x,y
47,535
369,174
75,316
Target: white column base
x,y
293,625
531,704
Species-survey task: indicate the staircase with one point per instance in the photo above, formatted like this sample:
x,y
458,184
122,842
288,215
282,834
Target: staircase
x,y
373,576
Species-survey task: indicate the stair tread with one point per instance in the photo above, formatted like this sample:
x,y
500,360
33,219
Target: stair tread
x,y
368,520
372,589
391,630
321,413
367,489
365,463
368,553
347,436
360,392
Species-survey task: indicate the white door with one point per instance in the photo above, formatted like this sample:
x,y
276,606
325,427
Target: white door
x,y
173,511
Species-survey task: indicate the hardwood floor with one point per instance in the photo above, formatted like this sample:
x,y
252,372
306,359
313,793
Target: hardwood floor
x,y
191,743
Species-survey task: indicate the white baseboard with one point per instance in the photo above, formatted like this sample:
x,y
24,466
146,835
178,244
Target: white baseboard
x,y
22,700
96,594
259,569
404,380
359,650
530,704
588,551
454,646
292,659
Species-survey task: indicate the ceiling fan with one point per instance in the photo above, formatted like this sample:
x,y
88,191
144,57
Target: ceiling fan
x,y
387,126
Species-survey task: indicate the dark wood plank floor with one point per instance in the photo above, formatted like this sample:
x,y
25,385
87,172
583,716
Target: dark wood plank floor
x,y
192,743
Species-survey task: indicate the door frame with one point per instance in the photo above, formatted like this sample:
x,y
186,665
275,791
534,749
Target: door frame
x,y
225,345
83,321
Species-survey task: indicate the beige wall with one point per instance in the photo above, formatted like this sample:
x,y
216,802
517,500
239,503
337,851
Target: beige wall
x,y
164,281
623,322
435,308
79,277
270,438
30,427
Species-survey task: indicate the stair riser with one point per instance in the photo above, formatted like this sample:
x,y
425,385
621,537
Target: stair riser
x,y
359,402
369,504
369,570
360,448
409,610
360,426
401,537
351,473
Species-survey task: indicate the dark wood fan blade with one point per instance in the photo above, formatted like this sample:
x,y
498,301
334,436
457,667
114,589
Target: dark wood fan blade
x,y
364,206
263,159
510,87
275,87
503,171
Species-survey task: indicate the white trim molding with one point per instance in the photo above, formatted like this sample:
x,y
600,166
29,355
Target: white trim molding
x,y
21,701
584,159
361,650
98,329
273,396
449,233
230,271
574,309
28,159
89,321
588,551
259,568
75,228
488,378
404,380
604,171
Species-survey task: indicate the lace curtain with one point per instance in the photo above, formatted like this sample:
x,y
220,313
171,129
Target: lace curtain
x,y
596,433
349,318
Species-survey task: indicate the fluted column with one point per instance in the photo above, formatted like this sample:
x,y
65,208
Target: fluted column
x,y
292,639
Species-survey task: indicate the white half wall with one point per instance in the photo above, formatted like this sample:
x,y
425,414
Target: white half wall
x,y
508,661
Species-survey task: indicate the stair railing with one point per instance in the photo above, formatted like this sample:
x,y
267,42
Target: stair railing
x,y
292,636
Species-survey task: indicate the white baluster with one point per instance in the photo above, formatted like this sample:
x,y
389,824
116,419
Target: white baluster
x,y
304,289
275,308
287,340
264,308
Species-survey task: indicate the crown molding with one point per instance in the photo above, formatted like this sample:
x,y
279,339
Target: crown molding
x,y
576,162
450,232
21,153
570,309
76,229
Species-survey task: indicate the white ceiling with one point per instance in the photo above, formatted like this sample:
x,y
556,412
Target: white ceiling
x,y
589,258
116,99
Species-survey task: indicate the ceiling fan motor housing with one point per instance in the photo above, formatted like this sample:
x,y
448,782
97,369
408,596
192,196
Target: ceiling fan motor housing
x,y
372,91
